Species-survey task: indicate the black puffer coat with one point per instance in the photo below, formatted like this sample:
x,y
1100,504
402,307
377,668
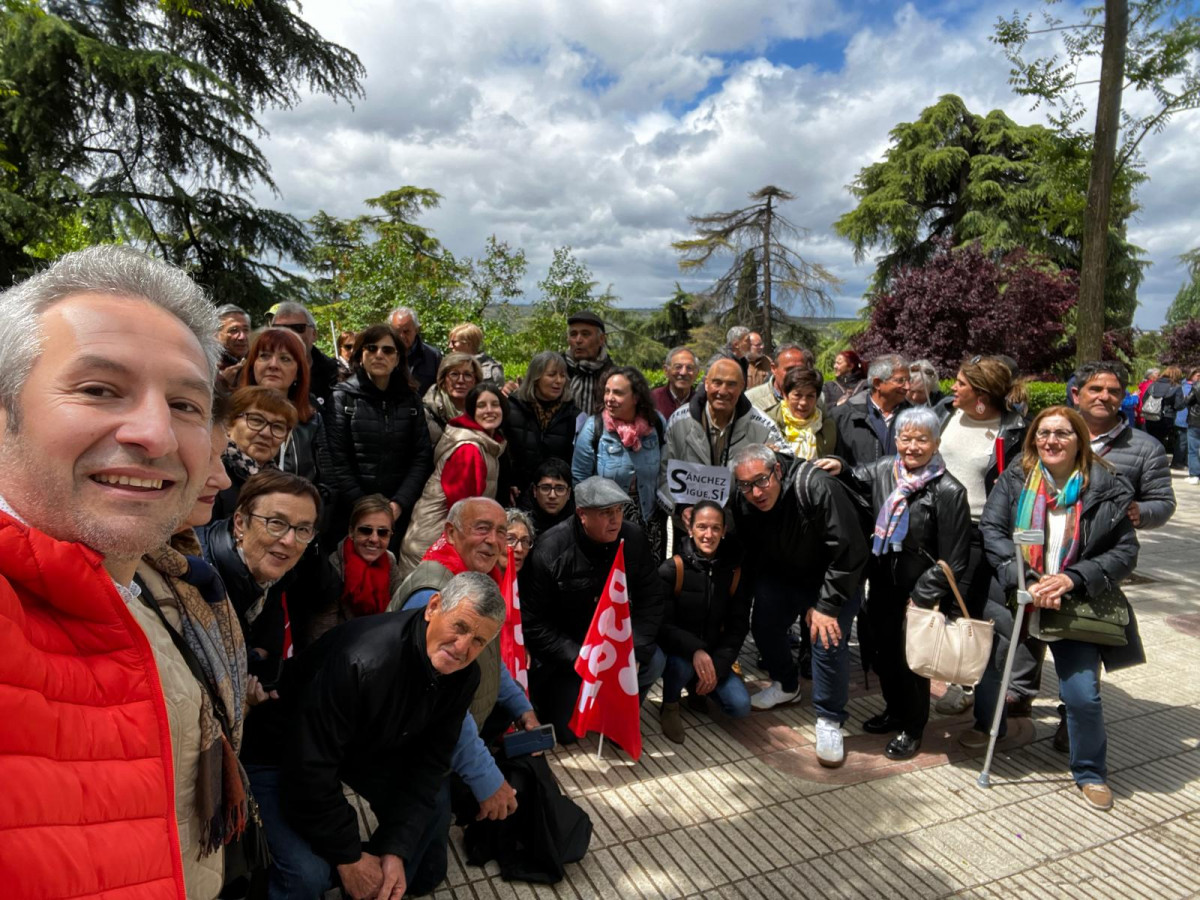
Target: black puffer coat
x,y
939,527
706,615
529,445
377,442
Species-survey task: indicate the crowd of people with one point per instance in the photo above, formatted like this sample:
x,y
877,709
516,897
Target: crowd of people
x,y
250,593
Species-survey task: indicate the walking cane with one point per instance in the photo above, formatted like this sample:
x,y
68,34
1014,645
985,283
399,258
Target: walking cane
x,y
1020,539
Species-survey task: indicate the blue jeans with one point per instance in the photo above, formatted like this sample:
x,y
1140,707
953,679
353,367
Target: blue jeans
x,y
730,690
777,606
1193,439
296,872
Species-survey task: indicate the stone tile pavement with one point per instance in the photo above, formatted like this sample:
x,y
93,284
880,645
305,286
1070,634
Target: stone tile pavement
x,y
742,810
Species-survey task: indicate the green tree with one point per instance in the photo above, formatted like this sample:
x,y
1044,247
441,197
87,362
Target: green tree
x,y
763,267
567,288
138,120
1186,304
956,175
1148,47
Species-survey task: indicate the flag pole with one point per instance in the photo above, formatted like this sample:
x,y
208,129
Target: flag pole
x,y
600,747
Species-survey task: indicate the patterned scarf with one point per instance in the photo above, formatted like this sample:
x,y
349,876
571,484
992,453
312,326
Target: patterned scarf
x,y
583,375
1039,495
241,466
210,629
630,433
891,525
366,587
801,434
545,410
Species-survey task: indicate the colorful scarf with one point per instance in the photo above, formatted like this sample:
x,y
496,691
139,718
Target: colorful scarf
x,y
630,433
891,525
544,410
240,466
801,434
210,629
1039,495
366,587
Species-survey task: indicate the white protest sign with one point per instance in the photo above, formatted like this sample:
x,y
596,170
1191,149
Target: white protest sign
x,y
689,483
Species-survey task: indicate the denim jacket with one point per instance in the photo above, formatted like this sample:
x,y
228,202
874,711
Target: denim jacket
x,y
613,460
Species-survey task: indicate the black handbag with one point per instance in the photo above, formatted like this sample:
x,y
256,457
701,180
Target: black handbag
x,y
1093,620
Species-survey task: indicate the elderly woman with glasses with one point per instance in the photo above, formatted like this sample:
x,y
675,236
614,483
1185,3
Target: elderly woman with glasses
x,y
377,439
1077,502
446,398
520,535
260,420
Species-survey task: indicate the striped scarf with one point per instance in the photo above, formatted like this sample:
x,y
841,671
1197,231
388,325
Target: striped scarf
x,y
891,525
1039,495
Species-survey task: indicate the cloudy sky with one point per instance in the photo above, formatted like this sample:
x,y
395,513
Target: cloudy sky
x,y
603,125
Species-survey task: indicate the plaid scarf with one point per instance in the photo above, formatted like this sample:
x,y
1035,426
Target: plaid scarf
x,y
1038,495
891,525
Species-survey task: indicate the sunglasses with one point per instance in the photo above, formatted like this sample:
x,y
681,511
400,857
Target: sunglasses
x,y
367,531
298,327
347,346
385,349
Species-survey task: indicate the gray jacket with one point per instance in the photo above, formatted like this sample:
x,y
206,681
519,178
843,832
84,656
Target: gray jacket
x,y
1142,460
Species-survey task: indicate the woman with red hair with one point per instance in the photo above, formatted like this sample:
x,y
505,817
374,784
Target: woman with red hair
x,y
850,376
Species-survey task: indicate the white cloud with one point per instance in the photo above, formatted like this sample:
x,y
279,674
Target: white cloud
x,y
549,123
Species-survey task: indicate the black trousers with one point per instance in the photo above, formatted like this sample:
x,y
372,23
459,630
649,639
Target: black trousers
x,y
906,694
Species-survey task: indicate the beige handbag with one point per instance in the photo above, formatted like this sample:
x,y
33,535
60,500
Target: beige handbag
x,y
956,652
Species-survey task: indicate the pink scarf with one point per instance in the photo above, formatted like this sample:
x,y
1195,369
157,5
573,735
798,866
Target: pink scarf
x,y
630,433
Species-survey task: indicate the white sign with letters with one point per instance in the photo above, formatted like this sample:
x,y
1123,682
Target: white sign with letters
x,y
689,483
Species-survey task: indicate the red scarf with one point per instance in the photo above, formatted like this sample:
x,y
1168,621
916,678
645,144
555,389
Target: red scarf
x,y
441,552
366,587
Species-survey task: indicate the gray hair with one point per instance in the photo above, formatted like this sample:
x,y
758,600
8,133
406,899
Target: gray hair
x,y
107,269
403,311
538,366
520,517
455,515
753,453
292,308
921,417
477,589
231,309
675,351
882,367
922,370
735,334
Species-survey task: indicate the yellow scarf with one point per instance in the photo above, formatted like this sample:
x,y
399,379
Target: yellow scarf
x,y
801,434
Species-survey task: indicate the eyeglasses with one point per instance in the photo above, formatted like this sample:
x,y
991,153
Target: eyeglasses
x,y
683,370
920,440
257,423
1042,435
385,349
298,327
347,346
460,376
366,531
518,542
552,488
761,482
278,528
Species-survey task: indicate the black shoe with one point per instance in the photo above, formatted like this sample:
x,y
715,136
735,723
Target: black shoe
x,y
902,746
884,723
697,703
1062,737
1018,707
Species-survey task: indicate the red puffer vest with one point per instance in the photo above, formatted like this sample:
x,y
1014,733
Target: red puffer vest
x,y
86,792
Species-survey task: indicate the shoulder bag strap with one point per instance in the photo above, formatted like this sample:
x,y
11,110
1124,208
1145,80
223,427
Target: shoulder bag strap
x,y
945,567
737,577
678,574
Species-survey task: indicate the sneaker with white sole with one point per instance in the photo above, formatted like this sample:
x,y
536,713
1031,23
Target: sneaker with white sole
x,y
1192,479
830,752
957,699
774,695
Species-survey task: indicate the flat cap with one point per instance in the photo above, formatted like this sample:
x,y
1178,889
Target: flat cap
x,y
586,317
598,493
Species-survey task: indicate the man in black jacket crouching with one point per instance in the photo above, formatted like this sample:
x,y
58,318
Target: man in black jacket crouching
x,y
378,704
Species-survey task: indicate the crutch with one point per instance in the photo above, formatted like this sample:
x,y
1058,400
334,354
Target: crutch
x,y
1020,539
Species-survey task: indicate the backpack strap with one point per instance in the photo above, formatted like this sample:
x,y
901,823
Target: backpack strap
x,y
737,577
597,431
678,574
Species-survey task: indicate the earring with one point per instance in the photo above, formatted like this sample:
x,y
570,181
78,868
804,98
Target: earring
x,y
980,407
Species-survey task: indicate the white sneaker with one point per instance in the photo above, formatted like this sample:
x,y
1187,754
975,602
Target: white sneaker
x,y
957,699
830,752
1192,479
773,695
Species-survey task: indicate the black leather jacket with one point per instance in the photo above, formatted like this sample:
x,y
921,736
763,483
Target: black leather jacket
x,y
939,527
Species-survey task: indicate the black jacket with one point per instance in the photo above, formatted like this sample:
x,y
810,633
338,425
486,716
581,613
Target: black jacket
x,y
1012,430
377,442
810,538
1109,548
423,362
529,445
323,376
367,708
858,443
561,584
706,615
939,527
1192,402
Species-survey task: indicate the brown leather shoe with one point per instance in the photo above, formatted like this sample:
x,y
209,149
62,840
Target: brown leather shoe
x,y
1100,796
672,724
974,739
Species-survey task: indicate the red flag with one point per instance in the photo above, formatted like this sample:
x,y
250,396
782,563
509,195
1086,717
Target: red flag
x,y
512,640
608,697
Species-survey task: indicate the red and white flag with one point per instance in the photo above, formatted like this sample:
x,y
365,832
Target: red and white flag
x,y
512,640
608,697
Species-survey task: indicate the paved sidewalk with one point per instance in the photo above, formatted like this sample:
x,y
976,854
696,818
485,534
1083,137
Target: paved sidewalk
x,y
743,810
